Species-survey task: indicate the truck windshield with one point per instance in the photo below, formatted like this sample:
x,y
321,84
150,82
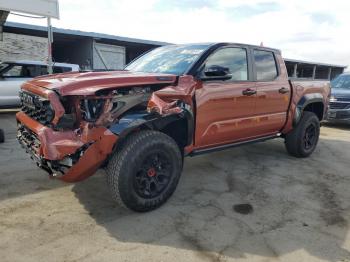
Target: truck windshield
x,y
342,81
172,59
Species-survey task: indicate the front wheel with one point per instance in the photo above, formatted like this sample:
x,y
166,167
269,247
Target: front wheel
x,y
145,170
302,141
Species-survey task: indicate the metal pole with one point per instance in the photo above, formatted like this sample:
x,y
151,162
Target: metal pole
x,y
329,73
3,17
314,72
50,41
295,72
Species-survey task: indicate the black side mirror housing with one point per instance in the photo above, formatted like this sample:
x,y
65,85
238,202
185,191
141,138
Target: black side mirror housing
x,y
216,72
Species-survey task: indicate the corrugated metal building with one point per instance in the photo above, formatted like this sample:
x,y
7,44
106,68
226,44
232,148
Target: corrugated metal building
x,y
89,50
313,70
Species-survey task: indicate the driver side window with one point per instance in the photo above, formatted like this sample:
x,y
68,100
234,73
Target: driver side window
x,y
232,58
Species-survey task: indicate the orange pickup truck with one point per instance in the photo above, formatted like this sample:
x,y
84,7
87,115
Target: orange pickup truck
x,y
172,102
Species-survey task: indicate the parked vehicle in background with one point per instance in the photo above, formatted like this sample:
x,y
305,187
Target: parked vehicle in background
x,y
340,99
14,73
175,101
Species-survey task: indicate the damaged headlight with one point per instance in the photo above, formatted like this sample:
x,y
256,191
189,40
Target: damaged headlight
x,y
91,108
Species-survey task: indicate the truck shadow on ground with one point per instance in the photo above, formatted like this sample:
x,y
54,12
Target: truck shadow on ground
x,y
341,126
299,205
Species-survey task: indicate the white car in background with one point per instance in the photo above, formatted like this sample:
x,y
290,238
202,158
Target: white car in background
x,y
14,73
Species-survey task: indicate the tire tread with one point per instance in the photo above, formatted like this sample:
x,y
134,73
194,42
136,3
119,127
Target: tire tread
x,y
124,156
292,140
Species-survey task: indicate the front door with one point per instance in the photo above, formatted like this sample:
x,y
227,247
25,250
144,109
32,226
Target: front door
x,y
225,108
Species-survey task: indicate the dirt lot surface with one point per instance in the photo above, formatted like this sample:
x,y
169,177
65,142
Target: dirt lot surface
x,y
299,209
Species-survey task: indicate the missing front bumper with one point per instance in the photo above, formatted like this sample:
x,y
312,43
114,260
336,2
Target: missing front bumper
x,y
70,156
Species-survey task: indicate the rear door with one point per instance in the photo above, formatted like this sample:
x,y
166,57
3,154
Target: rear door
x,y
273,91
225,108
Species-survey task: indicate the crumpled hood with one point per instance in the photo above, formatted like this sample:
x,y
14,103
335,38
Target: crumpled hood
x,y
89,82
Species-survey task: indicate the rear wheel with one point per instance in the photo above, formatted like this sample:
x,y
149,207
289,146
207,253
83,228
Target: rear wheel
x,y
145,171
302,141
2,136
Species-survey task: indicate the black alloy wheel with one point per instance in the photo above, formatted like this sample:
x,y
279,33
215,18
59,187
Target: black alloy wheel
x,y
154,175
310,136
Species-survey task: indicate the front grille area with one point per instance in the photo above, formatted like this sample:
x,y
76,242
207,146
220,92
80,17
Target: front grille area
x,y
28,140
37,108
343,99
335,105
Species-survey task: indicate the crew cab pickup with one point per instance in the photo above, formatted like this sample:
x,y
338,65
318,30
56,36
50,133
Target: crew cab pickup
x,y
174,101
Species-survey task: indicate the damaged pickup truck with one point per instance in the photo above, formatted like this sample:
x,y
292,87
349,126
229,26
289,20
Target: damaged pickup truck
x,y
174,101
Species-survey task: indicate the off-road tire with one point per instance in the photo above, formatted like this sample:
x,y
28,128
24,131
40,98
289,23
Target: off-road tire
x,y
124,166
2,136
295,141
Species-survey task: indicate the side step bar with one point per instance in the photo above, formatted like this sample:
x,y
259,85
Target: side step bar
x,y
223,147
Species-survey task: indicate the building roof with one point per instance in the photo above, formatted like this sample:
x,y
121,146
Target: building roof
x,y
82,33
312,63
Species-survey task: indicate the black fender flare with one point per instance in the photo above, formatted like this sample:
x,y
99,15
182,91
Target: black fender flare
x,y
304,102
153,121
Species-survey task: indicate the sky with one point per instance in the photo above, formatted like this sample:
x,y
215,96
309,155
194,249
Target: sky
x,y
302,29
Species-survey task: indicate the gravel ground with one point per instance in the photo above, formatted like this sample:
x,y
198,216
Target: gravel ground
x,y
296,209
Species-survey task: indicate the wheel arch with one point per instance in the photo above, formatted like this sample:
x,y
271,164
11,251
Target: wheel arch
x,y
310,103
178,126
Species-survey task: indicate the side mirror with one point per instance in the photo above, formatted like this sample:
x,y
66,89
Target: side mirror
x,y
216,72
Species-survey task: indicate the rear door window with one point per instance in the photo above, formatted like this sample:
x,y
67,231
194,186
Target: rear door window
x,y
265,65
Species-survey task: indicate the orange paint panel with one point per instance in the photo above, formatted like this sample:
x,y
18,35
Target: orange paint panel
x,y
54,145
164,100
89,83
223,112
270,123
92,159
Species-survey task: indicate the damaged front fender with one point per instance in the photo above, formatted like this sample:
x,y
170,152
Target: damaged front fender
x,y
92,158
172,104
135,121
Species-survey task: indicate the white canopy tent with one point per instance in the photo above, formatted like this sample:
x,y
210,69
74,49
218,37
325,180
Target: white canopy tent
x,y
45,8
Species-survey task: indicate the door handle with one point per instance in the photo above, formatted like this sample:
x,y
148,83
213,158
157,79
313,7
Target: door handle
x,y
249,92
283,90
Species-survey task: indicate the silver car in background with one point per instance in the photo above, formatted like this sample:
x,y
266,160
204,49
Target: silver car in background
x,y
14,73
